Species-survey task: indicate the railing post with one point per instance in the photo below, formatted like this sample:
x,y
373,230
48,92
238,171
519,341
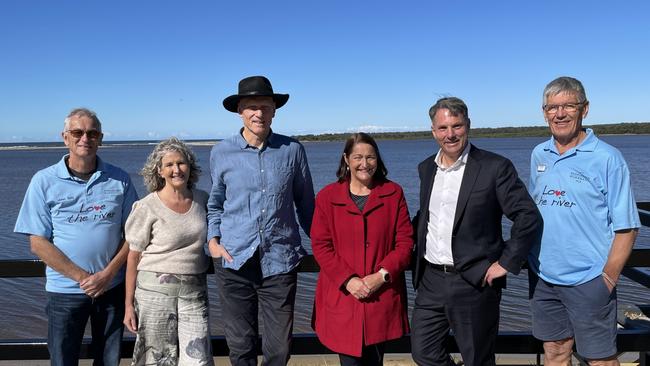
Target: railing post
x,y
644,358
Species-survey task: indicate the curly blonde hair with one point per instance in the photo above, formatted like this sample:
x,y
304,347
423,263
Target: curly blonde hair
x,y
152,180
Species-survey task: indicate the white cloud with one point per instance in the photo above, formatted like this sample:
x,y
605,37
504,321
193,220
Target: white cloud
x,y
375,128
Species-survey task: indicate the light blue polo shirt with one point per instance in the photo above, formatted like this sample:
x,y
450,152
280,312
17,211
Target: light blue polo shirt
x,y
83,219
584,196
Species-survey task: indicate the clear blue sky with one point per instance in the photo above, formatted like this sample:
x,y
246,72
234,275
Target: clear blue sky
x,y
152,69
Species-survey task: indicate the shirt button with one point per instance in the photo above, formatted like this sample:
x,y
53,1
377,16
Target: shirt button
x,y
264,190
263,211
262,171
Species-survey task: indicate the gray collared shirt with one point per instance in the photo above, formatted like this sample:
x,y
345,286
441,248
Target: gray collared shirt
x,y
251,204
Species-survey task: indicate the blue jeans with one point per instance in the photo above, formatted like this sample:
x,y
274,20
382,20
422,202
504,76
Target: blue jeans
x,y
67,317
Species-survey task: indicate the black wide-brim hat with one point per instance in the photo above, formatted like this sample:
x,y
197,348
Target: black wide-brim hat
x,y
254,86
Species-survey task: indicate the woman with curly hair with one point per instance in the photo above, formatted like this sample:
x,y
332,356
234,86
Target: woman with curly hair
x,y
166,292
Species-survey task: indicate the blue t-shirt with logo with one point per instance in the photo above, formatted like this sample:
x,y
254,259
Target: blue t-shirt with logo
x,y
83,219
584,196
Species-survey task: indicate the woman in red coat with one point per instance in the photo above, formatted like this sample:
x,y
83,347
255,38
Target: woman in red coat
x,y
362,239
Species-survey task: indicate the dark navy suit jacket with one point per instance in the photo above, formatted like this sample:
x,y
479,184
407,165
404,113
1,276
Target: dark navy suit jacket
x,y
490,188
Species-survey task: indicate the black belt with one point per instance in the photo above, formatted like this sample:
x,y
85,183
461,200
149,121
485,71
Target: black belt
x,y
443,267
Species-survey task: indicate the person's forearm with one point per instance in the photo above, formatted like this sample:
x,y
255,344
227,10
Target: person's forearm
x,y
131,275
119,259
56,259
619,253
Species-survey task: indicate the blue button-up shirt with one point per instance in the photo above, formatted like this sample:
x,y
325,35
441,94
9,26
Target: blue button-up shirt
x,y
251,204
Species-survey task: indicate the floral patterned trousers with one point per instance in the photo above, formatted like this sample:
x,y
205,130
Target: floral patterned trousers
x,y
173,327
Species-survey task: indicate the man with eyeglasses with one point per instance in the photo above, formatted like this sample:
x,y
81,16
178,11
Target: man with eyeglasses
x,y
582,188
74,213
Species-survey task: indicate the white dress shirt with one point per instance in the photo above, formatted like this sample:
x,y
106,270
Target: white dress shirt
x,y
442,209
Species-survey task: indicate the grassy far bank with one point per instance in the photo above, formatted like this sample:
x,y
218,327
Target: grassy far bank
x,y
641,128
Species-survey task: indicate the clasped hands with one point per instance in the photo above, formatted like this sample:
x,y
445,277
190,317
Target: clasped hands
x,y
362,288
95,284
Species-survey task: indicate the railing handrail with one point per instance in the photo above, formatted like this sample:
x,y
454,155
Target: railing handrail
x,y
36,268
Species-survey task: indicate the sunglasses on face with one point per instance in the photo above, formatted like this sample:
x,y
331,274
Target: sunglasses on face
x,y
91,134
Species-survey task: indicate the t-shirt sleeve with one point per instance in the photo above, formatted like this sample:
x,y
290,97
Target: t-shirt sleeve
x,y
130,196
138,227
620,199
34,217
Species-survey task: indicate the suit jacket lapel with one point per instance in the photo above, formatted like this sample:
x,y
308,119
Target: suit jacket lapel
x,y
472,170
428,174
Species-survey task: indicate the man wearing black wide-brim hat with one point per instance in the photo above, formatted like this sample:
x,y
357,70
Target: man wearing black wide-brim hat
x,y
258,177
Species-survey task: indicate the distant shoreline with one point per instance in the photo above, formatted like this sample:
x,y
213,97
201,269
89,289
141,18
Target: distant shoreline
x,y
641,128
105,145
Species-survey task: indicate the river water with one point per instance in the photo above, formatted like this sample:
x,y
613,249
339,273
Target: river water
x,y
22,304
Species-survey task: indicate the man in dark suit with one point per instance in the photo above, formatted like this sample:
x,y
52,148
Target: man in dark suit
x,y
461,256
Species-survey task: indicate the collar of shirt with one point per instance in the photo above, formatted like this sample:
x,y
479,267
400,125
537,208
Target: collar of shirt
x,y
62,172
462,160
588,144
243,144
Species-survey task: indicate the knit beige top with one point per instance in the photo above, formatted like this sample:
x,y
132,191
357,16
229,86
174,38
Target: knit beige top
x,y
170,242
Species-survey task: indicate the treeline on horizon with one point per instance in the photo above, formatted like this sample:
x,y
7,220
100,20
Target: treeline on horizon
x,y
640,128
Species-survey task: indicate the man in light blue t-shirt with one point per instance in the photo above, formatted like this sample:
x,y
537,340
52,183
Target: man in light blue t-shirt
x,y
581,185
74,213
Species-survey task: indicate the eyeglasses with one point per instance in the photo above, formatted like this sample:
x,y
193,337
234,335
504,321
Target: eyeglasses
x,y
77,133
568,107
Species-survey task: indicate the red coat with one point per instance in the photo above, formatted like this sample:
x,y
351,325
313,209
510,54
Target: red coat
x,y
347,242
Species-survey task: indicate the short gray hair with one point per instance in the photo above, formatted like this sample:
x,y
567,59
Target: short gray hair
x,y
152,180
82,112
565,84
456,107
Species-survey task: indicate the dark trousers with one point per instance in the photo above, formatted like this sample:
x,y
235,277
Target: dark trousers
x,y
372,355
242,293
67,317
444,301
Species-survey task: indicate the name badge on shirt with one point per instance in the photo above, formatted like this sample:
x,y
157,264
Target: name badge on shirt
x,y
541,168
